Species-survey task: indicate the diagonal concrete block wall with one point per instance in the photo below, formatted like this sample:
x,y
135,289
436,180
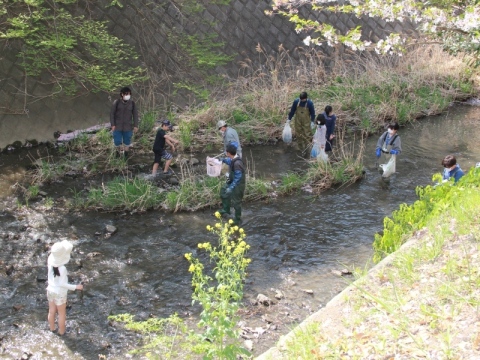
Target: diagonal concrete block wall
x,y
27,109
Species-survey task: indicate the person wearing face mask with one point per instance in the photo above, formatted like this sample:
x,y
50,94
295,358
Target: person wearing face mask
x,y
124,121
230,136
304,112
389,142
452,169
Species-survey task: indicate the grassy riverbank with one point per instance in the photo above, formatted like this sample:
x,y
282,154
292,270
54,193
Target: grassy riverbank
x,y
422,301
365,91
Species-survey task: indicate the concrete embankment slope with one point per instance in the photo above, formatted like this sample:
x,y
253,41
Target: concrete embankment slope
x,y
421,302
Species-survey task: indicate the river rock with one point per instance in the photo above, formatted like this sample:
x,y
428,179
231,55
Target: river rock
x,y
337,272
248,345
264,300
346,272
110,229
308,291
194,161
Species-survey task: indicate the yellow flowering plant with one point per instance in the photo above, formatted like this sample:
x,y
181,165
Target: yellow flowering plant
x,y
220,292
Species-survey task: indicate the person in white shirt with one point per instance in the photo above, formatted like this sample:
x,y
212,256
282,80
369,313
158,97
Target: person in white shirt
x,y
58,285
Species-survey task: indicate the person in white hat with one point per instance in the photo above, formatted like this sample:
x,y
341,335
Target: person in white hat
x,y
58,285
230,136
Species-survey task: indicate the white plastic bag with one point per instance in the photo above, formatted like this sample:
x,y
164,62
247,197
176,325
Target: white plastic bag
x,y
322,156
389,168
214,167
287,134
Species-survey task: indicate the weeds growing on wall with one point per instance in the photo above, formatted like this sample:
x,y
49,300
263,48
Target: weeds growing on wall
x,y
433,200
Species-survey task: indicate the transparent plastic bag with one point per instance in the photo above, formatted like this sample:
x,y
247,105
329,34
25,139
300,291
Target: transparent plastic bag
x,y
287,134
315,150
389,168
322,156
214,167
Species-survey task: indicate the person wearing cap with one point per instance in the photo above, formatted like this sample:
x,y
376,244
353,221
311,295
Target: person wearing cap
x,y
159,148
58,285
124,121
232,192
304,112
230,136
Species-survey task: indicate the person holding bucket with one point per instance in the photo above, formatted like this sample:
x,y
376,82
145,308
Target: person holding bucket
x,y
233,190
389,143
230,136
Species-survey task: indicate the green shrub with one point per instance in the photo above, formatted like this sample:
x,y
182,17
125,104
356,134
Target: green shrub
x,y
433,200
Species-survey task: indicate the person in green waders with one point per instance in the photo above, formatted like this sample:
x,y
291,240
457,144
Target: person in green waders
x,y
233,190
304,112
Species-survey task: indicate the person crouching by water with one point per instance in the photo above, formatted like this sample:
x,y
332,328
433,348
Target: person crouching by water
x,y
232,192
452,169
159,148
230,136
58,285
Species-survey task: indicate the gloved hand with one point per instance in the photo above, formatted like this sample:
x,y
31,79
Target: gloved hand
x,y
378,153
228,191
312,125
394,152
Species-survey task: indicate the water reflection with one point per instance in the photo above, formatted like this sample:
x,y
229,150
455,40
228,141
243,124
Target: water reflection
x,y
295,242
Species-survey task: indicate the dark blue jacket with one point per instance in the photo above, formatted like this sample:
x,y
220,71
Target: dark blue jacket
x,y
457,173
308,103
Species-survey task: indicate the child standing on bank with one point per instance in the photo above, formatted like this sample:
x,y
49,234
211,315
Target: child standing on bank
x,y
159,148
58,285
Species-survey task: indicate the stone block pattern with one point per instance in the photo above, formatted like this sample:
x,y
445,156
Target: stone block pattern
x,y
153,28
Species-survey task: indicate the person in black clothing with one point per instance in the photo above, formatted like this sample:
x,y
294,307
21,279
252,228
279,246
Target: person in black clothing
x,y
232,192
159,147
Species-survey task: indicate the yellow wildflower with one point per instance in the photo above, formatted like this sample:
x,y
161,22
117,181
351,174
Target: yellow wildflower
x,y
188,256
230,221
218,226
218,215
191,268
209,228
241,231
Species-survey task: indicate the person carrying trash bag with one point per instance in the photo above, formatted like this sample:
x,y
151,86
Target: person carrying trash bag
x,y
230,136
304,112
233,190
390,144
320,139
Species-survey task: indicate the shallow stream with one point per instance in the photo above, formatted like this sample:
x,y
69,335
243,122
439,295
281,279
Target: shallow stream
x,y
296,242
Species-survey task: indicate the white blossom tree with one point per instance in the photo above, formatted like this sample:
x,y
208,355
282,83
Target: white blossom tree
x,y
453,23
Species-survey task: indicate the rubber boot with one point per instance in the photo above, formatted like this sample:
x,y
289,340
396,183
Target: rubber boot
x,y
238,215
225,210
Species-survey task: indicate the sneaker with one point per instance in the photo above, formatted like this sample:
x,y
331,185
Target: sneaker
x,y
169,172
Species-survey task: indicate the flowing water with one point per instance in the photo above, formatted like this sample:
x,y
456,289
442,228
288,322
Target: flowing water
x,y
296,242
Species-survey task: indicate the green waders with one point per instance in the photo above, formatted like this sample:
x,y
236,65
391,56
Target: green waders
x,y
302,127
235,198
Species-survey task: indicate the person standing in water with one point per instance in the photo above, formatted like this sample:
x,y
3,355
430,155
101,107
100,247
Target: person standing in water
x,y
304,112
58,285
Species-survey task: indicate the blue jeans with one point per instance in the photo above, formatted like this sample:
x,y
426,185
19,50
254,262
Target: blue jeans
x,y
124,137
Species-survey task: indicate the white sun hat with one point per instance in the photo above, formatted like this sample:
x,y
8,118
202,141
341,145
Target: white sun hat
x,y
60,253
